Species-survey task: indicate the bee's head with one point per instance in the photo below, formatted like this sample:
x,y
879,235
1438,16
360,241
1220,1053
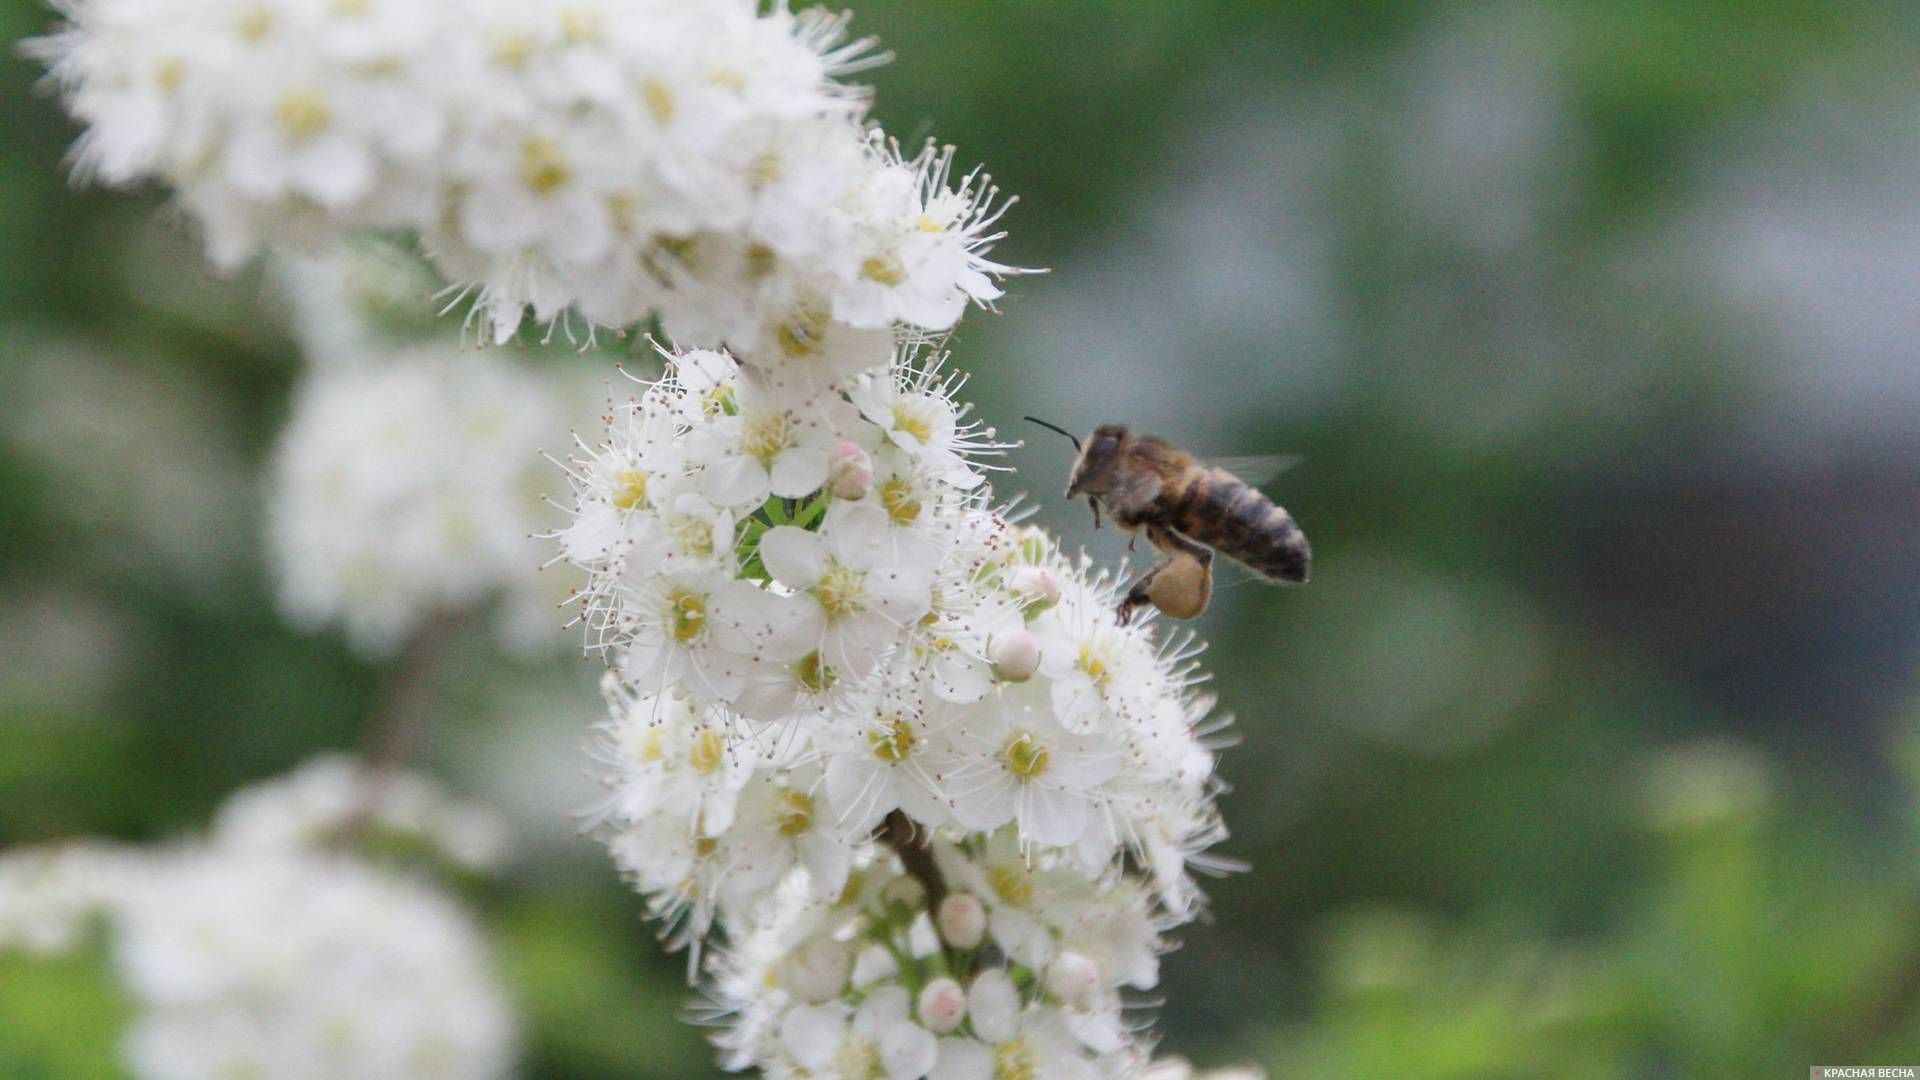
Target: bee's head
x,y
1099,456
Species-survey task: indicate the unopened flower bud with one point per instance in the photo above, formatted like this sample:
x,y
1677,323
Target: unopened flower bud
x,y
849,471
817,971
1072,977
1015,655
905,891
1036,587
943,1004
963,920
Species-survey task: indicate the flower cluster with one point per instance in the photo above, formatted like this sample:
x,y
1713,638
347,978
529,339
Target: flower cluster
x,y
889,750
695,159
244,956
410,488
897,748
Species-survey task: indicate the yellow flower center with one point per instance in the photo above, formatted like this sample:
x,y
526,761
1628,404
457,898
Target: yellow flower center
x,y
900,500
169,74
708,751
302,113
858,1059
580,25
906,418
885,270
762,261
800,335
352,8
1011,885
630,489
794,811
1014,1061
703,848
652,746
1093,664
542,168
813,673
842,591
510,48
926,224
763,436
693,535
1026,756
254,23
893,742
687,615
659,100
765,169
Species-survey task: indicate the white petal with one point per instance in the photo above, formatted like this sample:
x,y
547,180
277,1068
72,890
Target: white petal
x,y
799,472
794,556
908,1051
963,1059
887,1006
1052,816
993,1003
734,480
812,1033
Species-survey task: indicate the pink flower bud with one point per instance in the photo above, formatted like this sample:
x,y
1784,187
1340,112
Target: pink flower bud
x,y
849,471
943,1004
1015,655
1036,587
1072,978
963,920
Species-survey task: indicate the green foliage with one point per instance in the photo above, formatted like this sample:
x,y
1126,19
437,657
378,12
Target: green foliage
x,y
64,1017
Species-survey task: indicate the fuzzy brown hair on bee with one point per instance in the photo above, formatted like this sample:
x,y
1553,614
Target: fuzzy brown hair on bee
x,y
1188,510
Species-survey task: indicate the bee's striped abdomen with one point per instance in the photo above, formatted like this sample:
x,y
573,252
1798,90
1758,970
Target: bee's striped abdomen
x,y
1222,511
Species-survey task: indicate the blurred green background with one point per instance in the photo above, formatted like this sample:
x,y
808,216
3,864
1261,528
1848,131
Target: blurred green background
x,y
1590,751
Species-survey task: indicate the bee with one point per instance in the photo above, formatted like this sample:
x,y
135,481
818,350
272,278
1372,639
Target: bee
x,y
1187,509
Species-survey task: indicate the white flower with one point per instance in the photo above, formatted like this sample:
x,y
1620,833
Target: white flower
x,y
770,446
1100,672
284,964
853,599
409,489
914,411
671,757
316,803
784,823
920,244
880,1040
878,764
262,954
1012,760
694,628
1011,1040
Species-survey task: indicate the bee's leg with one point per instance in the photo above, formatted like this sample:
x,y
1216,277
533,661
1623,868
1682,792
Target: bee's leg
x,y
1137,594
1174,543
1095,504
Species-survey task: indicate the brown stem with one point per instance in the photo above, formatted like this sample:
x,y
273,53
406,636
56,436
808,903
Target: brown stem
x,y
910,844
406,707
402,716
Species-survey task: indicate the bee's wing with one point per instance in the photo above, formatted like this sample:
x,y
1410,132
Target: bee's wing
x,y
1257,469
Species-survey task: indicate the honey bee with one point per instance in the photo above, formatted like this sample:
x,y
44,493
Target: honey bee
x,y
1188,509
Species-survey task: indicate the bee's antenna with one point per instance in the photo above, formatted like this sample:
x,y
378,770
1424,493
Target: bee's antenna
x,y
1055,427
